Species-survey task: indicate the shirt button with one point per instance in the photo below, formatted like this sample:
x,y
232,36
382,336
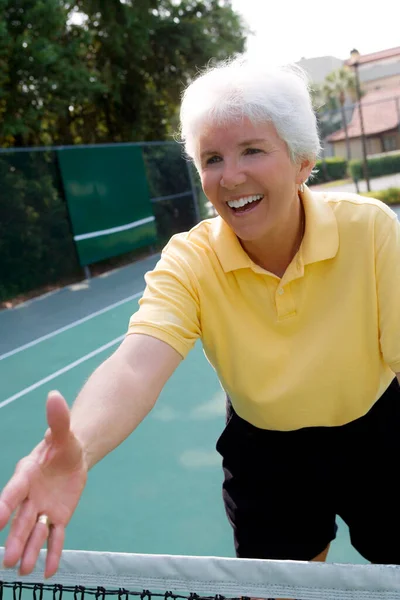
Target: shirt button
x,y
281,291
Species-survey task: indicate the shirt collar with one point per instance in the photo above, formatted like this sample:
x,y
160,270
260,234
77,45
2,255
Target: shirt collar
x,y
320,242
321,238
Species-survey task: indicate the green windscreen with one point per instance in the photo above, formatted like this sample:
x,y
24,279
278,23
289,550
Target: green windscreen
x,y
108,200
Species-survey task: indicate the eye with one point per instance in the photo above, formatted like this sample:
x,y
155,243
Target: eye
x,y
213,159
252,151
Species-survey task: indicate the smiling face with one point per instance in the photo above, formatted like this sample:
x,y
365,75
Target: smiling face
x,y
248,176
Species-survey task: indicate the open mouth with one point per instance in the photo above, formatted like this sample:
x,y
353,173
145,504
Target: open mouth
x,y
245,204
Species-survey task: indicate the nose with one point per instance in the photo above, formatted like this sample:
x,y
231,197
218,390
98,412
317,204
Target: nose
x,y
232,176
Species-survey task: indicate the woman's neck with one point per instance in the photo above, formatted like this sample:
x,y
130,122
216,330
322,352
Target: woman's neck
x,y
275,252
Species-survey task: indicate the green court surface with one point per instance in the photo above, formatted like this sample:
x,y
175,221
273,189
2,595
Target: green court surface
x,y
160,491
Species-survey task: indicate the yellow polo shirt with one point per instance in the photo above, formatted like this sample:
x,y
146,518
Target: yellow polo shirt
x,y
316,347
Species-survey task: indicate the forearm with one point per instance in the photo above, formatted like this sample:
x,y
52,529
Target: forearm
x,y
110,406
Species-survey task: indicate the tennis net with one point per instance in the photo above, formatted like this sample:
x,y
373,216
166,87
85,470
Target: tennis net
x,y
113,576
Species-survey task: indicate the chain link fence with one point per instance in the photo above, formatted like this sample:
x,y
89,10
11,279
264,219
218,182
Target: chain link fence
x,y
37,245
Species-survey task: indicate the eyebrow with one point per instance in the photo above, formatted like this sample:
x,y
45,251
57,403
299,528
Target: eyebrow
x,y
253,141
241,145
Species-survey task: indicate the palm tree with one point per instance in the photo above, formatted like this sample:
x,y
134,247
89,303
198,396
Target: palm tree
x,y
337,86
323,104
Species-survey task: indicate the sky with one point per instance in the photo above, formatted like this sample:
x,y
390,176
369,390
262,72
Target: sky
x,y
285,31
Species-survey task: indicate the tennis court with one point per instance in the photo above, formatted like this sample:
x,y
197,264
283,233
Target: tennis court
x,y
160,491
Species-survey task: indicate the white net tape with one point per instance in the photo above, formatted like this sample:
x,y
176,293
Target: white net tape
x,y
211,576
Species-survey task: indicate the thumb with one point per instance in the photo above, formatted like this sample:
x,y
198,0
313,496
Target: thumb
x,y
58,417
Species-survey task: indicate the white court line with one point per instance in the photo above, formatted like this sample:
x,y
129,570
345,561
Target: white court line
x,y
70,326
93,234
61,371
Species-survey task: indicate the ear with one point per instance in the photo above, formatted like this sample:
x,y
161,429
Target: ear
x,y
304,172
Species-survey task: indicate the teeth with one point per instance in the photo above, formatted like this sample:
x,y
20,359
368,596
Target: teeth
x,y
243,201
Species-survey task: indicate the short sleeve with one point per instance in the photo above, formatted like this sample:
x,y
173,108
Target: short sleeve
x,y
169,308
387,257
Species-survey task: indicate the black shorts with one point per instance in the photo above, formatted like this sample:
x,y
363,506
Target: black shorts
x,y
283,490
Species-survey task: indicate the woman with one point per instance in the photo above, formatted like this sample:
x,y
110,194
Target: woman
x,y
295,297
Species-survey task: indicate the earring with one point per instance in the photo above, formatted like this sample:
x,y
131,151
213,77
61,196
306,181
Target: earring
x,y
301,187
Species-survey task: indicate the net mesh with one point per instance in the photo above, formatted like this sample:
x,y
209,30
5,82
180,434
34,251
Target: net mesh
x,y
109,576
39,591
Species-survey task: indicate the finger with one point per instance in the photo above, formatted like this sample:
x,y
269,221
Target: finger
x,y
55,545
13,494
20,530
58,418
35,542
47,435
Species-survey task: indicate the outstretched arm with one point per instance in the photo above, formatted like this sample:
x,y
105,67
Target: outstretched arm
x,y
50,480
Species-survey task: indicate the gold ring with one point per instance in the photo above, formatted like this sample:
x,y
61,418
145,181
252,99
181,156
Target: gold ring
x,y
44,519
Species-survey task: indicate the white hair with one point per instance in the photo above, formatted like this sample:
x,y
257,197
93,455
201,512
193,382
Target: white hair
x,y
242,88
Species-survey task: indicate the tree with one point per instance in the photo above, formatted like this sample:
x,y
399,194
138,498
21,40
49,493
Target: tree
x,y
339,85
115,75
45,69
146,51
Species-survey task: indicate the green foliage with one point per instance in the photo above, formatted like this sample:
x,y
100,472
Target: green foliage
x,y
330,170
331,94
339,84
45,70
36,244
389,196
115,76
381,165
147,51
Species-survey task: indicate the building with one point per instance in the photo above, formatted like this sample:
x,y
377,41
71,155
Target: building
x,y
379,69
318,68
379,75
381,116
